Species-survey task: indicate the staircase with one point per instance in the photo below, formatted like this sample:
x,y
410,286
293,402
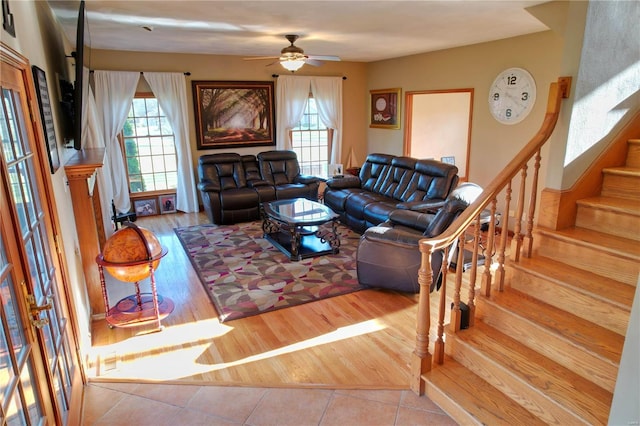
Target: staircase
x,y
546,350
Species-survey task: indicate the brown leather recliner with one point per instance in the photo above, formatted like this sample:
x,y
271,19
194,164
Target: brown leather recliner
x,y
388,255
223,186
281,169
233,187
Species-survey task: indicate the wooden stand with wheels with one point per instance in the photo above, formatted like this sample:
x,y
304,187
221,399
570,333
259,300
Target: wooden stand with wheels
x,y
139,308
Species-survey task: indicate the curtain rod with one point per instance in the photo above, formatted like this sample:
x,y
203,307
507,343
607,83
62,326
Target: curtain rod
x,y
142,72
278,75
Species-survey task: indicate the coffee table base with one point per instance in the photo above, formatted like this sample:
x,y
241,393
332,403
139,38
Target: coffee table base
x,y
303,243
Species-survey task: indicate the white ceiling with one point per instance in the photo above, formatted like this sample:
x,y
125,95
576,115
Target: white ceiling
x,y
360,30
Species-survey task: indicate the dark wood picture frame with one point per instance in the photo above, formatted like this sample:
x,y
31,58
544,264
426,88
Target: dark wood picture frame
x,y
231,114
8,24
385,108
145,207
167,203
42,91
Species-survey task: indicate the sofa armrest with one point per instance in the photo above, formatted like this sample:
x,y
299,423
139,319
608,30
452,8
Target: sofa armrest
x,y
307,179
393,236
424,206
256,183
208,187
344,182
412,219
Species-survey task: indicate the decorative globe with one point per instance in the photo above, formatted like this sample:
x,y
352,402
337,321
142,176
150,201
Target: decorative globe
x,y
127,252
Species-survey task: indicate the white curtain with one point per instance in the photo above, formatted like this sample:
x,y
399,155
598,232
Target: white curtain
x,y
92,137
114,94
292,97
327,91
170,90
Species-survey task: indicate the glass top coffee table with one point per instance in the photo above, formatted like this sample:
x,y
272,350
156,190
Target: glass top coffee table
x,y
300,228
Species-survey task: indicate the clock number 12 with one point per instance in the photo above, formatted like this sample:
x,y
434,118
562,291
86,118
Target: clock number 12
x,y
511,80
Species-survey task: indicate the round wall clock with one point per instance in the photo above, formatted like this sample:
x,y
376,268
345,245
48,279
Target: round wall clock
x,y
512,95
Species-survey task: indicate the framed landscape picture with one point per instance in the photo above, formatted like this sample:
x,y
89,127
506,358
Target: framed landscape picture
x,y
232,114
385,108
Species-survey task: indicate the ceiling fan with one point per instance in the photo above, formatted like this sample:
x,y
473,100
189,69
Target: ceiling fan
x,y
293,58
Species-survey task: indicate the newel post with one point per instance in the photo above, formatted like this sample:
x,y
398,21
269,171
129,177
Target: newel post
x,y
421,358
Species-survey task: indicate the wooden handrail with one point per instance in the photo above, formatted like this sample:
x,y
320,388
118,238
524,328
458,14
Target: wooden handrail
x,y
421,362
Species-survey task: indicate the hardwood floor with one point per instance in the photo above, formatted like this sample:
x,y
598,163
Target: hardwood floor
x,y
361,340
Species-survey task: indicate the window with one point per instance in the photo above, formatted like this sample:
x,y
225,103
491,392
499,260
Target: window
x,y
149,147
310,141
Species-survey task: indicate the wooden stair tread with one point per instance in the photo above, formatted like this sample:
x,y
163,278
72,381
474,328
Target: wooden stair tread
x,y
596,286
623,247
620,205
478,398
622,171
577,394
582,333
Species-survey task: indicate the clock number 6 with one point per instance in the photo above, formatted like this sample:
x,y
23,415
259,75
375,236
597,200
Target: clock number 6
x,y
507,113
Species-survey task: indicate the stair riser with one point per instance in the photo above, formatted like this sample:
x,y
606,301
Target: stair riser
x,y
596,310
588,258
621,186
610,222
633,155
508,383
548,343
449,406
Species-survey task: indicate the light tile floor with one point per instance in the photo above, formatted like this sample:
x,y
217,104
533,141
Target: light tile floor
x,y
157,404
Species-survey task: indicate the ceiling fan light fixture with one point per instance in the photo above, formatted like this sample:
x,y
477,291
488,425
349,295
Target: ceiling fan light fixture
x,y
292,64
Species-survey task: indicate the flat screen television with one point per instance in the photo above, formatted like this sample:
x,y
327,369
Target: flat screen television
x,y
79,77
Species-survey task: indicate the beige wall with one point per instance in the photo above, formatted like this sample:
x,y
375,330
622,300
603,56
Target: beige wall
x,y
215,67
492,144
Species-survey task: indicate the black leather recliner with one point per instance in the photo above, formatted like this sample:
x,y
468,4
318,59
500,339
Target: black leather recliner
x,y
223,186
388,255
282,170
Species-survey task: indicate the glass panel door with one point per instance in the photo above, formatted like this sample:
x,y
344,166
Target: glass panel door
x,y
19,403
26,223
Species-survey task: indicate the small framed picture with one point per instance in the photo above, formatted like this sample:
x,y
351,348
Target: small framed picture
x,y
335,170
385,108
146,207
167,203
448,160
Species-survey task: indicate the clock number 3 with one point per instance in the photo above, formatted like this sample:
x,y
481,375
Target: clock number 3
x,y
525,96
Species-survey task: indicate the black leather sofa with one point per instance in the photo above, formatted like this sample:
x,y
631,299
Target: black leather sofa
x,y
387,183
233,186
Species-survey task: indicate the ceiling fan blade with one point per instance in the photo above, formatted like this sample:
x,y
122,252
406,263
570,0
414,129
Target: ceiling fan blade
x,y
260,58
313,62
324,58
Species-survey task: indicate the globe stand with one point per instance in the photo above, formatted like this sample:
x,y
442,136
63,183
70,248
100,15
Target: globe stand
x,y
140,308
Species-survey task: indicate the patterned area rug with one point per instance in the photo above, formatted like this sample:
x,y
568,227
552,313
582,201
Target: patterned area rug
x,y
246,275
